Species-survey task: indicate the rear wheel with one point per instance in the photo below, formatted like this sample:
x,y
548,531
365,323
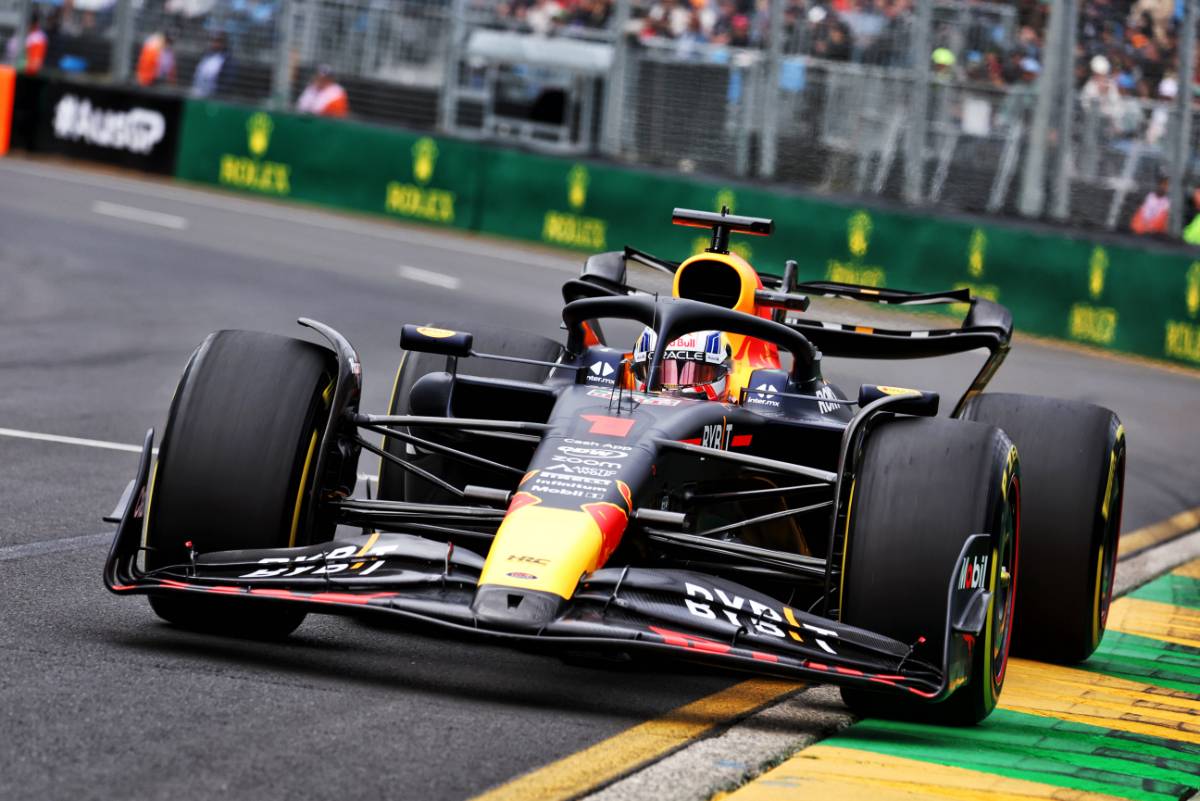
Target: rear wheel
x,y
235,469
397,484
923,487
1073,464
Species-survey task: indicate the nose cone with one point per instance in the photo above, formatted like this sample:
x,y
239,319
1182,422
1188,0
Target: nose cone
x,y
538,557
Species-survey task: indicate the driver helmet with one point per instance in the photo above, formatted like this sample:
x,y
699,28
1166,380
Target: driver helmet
x,y
694,366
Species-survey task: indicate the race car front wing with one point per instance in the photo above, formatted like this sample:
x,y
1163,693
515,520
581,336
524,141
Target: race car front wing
x,y
625,609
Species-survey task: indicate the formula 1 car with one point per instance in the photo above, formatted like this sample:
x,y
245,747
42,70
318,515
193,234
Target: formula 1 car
x,y
536,493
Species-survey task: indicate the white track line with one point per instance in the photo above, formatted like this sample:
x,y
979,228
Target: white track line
x,y
172,221
428,277
448,241
87,443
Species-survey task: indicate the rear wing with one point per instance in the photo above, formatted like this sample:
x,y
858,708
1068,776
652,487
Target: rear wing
x,y
988,325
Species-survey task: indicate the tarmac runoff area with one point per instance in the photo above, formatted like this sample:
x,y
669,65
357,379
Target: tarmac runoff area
x,y
109,283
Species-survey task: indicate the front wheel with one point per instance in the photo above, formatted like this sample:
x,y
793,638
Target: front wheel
x,y
236,467
1073,457
923,487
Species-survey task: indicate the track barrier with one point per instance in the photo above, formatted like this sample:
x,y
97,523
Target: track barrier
x,y
1111,294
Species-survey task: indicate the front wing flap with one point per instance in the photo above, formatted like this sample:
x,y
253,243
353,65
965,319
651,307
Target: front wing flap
x,y
630,609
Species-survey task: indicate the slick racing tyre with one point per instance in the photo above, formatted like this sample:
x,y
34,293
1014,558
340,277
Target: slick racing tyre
x,y
923,486
1073,470
397,484
235,469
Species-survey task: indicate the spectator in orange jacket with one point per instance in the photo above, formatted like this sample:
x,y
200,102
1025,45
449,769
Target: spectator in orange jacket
x,y
35,46
156,61
324,96
1151,217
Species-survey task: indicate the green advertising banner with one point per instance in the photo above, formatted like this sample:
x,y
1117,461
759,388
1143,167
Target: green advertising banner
x,y
331,162
1116,297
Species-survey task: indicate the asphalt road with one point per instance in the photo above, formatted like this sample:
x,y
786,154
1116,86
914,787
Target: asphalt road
x,y
106,285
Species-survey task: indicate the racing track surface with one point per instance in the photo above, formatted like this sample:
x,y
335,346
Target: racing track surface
x,y
106,285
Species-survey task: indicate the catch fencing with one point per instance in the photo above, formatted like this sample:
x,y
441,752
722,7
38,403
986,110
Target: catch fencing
x,y
1018,109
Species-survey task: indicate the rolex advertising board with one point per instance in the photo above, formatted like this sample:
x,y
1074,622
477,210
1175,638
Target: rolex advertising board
x,y
1101,295
335,163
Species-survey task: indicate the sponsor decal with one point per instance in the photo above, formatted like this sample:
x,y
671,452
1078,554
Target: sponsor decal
x,y
822,406
896,390
972,574
586,488
570,228
524,576
323,564
418,200
713,603
1095,324
1182,340
647,400
253,172
137,130
976,249
761,395
600,373
528,560
858,242
720,436
593,444
595,453
607,426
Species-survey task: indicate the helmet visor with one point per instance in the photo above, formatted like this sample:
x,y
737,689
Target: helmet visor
x,y
680,373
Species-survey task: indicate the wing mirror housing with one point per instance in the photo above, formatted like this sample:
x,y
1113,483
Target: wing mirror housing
x,y
442,341
906,401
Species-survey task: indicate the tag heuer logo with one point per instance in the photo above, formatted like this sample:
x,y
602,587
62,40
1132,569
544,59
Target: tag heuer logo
x,y
259,128
425,153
